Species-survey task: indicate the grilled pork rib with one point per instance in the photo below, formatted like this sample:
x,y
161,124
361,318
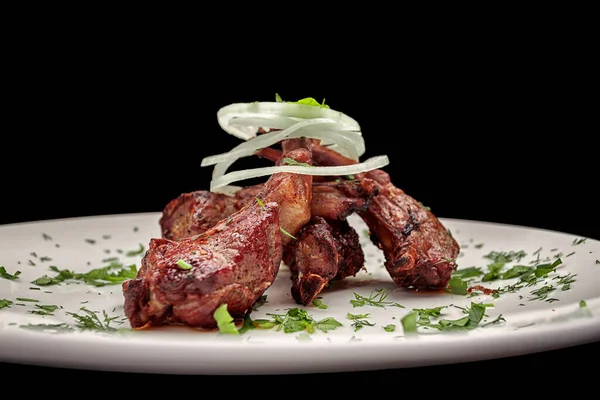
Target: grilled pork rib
x,y
195,212
326,249
420,252
233,262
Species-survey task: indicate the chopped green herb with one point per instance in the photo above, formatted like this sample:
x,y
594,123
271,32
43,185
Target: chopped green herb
x,y
184,264
46,236
542,293
565,280
582,303
260,203
425,207
505,257
291,161
389,328
133,253
286,233
359,320
48,327
91,321
309,101
49,307
423,317
247,325
90,241
296,320
319,304
457,286
112,274
5,303
478,245
225,320
516,271
27,299
597,261
4,274
579,241
497,320
376,299
467,272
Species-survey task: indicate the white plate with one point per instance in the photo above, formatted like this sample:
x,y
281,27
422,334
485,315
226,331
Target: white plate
x,y
528,324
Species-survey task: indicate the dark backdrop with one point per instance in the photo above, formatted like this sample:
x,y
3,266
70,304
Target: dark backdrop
x,y
484,138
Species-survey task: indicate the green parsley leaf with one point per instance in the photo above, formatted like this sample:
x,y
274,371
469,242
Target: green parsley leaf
x,y
516,271
457,286
247,325
307,101
319,304
4,274
389,328
327,324
467,272
5,303
296,320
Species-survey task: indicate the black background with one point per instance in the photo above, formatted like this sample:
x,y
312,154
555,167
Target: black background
x,y
472,135
494,130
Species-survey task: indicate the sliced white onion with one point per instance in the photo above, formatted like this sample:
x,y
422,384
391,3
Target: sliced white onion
x,y
265,140
339,170
228,190
228,114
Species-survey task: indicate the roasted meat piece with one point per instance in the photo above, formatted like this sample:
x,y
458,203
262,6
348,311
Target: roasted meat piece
x,y
196,212
234,262
326,250
420,252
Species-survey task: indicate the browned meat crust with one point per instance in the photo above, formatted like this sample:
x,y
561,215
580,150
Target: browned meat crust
x,y
233,262
325,251
420,252
196,212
